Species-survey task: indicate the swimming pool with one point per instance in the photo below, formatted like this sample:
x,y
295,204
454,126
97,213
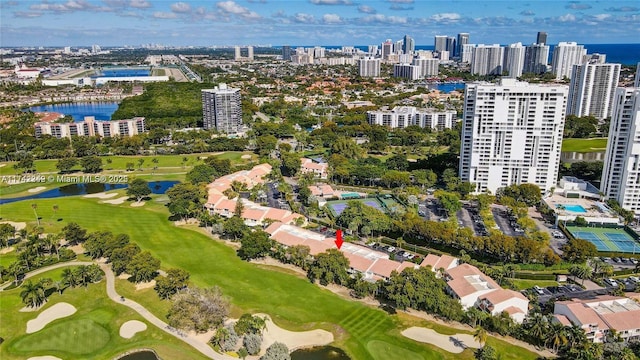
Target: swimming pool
x,y
572,208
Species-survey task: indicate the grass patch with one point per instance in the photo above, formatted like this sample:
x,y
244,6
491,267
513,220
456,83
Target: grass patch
x,y
81,336
292,302
584,145
521,284
384,350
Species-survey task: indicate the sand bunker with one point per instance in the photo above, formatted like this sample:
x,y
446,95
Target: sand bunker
x,y
137,204
452,343
3,165
246,156
131,327
55,312
17,225
101,195
293,339
145,285
117,201
7,250
37,189
46,357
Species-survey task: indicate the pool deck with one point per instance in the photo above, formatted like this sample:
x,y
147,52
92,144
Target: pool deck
x,y
593,212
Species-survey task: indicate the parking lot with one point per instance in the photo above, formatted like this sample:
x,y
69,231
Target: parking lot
x,y
504,222
398,254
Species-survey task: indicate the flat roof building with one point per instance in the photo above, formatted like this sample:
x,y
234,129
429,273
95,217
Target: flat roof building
x,y
221,109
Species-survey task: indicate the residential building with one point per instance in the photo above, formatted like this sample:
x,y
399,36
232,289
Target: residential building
x,y
466,54
565,55
512,134
592,88
487,60
92,127
463,39
387,49
601,315
621,174
221,109
318,169
369,67
541,38
536,58
444,55
372,50
440,43
404,116
513,60
636,83
428,67
451,45
408,45
286,53
407,71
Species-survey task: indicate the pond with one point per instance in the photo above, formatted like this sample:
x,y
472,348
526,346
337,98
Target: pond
x,y
78,110
320,353
140,355
157,187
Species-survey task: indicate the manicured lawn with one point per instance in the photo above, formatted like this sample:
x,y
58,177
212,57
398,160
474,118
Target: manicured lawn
x,y
292,301
584,145
523,284
91,333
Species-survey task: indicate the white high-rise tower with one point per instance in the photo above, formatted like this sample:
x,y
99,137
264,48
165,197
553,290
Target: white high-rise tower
x,y
513,60
222,109
369,67
592,88
565,55
621,174
512,134
487,60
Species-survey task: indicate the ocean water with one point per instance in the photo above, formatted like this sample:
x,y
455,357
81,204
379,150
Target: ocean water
x,y
100,110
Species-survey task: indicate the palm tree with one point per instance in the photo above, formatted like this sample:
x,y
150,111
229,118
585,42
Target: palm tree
x,y
537,325
556,336
53,241
55,211
480,335
34,206
32,294
82,274
69,278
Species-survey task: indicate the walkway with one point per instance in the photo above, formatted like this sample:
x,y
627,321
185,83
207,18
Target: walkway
x,y
47,268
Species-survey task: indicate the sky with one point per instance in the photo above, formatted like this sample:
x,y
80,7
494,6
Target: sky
x,y
311,22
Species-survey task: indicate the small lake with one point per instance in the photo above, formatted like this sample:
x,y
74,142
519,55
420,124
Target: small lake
x,y
447,87
157,187
320,353
99,110
140,355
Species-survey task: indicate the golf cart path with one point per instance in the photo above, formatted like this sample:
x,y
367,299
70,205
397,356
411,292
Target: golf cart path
x,y
47,268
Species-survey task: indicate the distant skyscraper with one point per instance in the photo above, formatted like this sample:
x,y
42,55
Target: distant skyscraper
x,y
565,55
592,89
463,39
406,71
369,67
512,134
387,49
221,109
286,53
95,49
541,38
372,50
250,52
621,174
237,55
487,60
637,82
408,45
398,46
451,45
428,67
536,58
440,43
513,60
466,54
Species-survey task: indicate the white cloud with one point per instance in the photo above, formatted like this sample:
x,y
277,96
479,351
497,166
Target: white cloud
x,y
164,15
331,2
27,14
304,18
601,17
577,6
230,7
567,18
366,9
446,17
623,9
180,8
383,19
140,4
331,19
69,6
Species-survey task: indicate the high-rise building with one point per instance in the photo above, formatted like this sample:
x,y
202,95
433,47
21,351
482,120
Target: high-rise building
x,y
565,55
428,67
512,134
513,60
444,55
369,67
250,52
440,43
487,60
592,89
398,47
621,174
237,55
286,53
541,38
407,71
221,109
536,58
408,45
372,50
636,83
463,39
387,49
451,45
467,53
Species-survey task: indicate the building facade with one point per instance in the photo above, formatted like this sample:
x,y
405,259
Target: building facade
x,y
487,60
92,127
440,43
536,58
621,174
463,39
404,116
408,45
541,38
428,67
512,134
407,71
592,89
369,67
565,55
513,60
221,109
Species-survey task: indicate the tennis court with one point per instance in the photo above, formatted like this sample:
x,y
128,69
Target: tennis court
x,y
607,239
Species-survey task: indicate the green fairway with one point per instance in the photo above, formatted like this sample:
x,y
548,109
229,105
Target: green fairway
x,y
291,301
584,145
91,333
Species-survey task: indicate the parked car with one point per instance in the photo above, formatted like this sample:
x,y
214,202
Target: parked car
x,y
391,249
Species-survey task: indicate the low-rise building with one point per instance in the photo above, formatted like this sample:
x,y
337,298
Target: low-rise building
x,y
405,116
92,127
309,166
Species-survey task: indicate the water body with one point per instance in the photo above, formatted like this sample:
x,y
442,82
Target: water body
x,y
122,72
447,87
320,353
140,355
99,110
157,187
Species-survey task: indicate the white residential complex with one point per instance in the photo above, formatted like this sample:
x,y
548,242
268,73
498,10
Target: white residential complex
x,y
536,58
512,134
487,60
621,174
407,71
369,67
591,90
513,60
91,127
404,116
565,55
221,109
428,67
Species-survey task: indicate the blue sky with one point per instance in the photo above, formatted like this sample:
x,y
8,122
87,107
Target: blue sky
x,y
310,22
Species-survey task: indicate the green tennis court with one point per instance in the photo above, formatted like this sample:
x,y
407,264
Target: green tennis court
x,y
607,239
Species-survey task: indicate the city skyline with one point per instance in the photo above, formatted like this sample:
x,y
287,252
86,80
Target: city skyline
x,y
313,22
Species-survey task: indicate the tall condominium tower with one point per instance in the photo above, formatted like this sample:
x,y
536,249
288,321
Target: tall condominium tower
x,y
536,58
487,60
369,67
565,55
512,134
513,60
621,174
541,38
463,39
428,67
451,45
440,43
221,109
592,88
637,82
466,54
408,45
286,53
387,49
